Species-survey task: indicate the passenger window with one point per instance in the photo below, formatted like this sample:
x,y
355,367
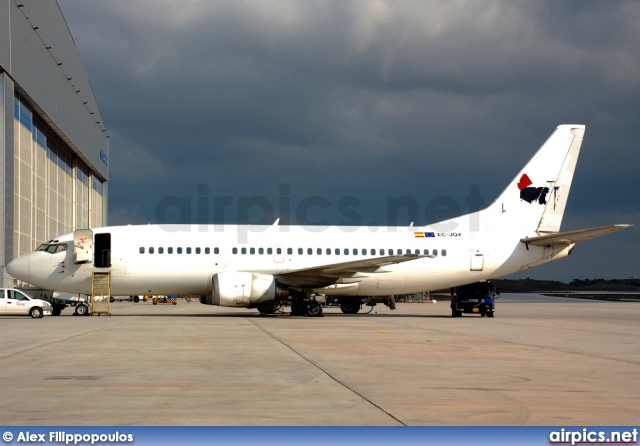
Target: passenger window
x,y
417,252
169,250
252,251
207,250
444,252
309,251
289,251
160,250
328,251
179,250
426,252
269,251
337,251
408,251
188,250
435,252
373,252
243,250
150,250
355,252
278,250
319,251
364,252
260,251
300,251
198,251
235,250
346,251
216,250
382,252
141,250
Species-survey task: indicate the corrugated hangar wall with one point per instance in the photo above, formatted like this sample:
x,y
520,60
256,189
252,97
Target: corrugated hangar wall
x,y
54,146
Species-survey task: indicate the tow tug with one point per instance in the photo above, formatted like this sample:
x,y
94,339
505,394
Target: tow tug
x,y
476,298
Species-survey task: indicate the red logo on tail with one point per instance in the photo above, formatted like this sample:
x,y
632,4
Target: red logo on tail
x,y
524,181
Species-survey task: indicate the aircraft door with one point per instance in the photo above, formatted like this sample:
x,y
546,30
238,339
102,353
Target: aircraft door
x,y
103,251
278,253
477,254
82,246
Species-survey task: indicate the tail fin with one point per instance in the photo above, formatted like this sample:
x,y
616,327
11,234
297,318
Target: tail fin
x,y
536,198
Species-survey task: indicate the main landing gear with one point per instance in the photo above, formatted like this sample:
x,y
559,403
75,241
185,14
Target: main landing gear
x,y
305,307
349,305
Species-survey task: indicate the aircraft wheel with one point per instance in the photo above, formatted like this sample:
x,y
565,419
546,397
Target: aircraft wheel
x,y
81,310
36,312
349,306
314,309
267,308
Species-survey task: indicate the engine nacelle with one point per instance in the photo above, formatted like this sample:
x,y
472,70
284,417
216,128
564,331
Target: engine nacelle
x,y
243,289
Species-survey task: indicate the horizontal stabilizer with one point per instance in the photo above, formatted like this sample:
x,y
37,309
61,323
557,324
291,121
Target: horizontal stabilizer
x,y
568,238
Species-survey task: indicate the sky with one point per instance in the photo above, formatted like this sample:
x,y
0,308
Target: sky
x,y
243,111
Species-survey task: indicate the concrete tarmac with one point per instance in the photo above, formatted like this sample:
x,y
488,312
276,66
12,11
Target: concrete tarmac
x,y
540,361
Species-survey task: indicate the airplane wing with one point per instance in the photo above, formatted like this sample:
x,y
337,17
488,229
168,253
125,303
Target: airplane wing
x,y
347,272
567,238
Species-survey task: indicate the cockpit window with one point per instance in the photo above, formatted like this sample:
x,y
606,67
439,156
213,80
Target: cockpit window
x,y
52,248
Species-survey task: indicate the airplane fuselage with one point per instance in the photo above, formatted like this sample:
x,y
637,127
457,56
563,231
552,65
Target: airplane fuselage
x,y
183,259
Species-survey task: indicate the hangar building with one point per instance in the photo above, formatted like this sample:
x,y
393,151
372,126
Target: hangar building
x,y
54,147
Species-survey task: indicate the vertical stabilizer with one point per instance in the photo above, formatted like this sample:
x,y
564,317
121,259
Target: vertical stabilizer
x,y
536,198
559,192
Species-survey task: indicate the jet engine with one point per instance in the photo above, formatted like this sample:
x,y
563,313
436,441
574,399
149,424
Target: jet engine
x,y
243,289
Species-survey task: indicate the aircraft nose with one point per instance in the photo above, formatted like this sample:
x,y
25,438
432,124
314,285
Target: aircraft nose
x,y
19,268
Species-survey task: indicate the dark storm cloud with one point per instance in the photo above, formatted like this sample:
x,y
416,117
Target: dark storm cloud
x,y
369,99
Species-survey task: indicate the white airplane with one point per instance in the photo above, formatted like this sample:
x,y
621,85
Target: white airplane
x,y
260,266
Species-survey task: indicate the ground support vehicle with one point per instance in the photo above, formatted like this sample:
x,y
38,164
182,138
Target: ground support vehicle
x,y
164,300
16,303
476,298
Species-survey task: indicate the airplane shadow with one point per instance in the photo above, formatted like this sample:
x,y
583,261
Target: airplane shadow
x,y
279,316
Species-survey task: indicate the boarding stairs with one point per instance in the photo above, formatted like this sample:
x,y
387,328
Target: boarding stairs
x,y
100,293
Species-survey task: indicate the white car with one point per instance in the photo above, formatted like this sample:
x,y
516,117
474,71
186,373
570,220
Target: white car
x,y
16,303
